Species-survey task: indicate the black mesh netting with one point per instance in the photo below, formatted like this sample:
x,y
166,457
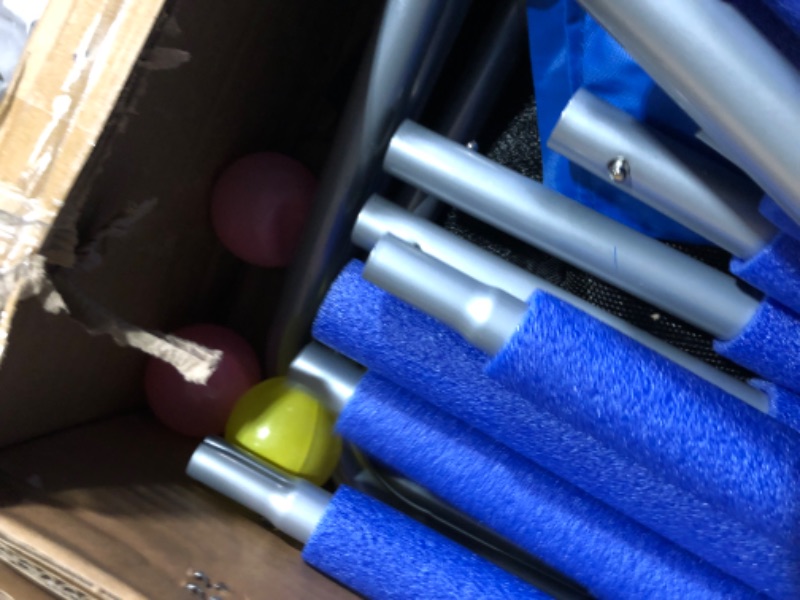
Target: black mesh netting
x,y
518,147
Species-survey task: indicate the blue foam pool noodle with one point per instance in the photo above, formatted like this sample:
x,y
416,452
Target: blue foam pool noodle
x,y
783,404
775,270
385,555
756,344
697,436
611,555
788,11
413,350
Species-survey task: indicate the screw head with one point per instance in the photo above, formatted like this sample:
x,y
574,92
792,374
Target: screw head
x,y
200,576
195,589
618,169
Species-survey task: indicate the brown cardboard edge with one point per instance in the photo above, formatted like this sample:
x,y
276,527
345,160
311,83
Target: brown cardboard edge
x,y
71,75
44,562
16,587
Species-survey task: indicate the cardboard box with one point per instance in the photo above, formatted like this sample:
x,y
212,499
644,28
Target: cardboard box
x,y
120,118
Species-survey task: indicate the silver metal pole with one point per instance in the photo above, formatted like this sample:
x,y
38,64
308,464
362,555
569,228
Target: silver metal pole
x,y
489,66
485,316
331,378
497,52
706,298
691,188
725,74
290,503
380,217
334,379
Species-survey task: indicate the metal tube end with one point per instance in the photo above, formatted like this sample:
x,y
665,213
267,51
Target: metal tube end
x,y
485,316
373,222
291,503
330,377
701,193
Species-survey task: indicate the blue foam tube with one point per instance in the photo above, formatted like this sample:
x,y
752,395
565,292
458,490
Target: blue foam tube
x,y
647,407
411,349
783,404
382,554
775,270
686,288
609,554
756,344
775,215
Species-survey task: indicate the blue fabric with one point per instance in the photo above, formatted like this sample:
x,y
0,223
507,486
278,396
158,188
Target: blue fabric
x,y
609,554
781,25
656,412
783,404
382,554
770,209
569,50
414,351
788,10
775,270
769,345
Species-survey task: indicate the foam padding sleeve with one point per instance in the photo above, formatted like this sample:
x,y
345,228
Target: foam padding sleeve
x,y
416,352
656,412
775,215
385,555
609,554
769,345
775,270
783,404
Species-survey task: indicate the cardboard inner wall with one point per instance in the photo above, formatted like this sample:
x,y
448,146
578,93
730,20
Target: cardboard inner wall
x,y
93,499
253,76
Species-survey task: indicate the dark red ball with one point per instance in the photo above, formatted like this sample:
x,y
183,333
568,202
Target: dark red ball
x,y
259,207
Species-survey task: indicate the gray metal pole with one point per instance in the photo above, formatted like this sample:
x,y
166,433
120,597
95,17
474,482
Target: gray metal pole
x,y
725,74
485,316
706,298
488,67
395,79
290,503
331,378
380,217
704,195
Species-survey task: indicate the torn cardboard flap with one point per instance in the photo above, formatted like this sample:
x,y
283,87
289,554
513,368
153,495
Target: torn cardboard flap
x,y
23,224
164,59
89,255
72,73
196,363
60,295
25,276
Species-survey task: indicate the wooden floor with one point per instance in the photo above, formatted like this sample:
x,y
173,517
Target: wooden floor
x,y
106,509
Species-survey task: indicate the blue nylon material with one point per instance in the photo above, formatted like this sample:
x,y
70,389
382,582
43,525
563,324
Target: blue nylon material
x,y
569,50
